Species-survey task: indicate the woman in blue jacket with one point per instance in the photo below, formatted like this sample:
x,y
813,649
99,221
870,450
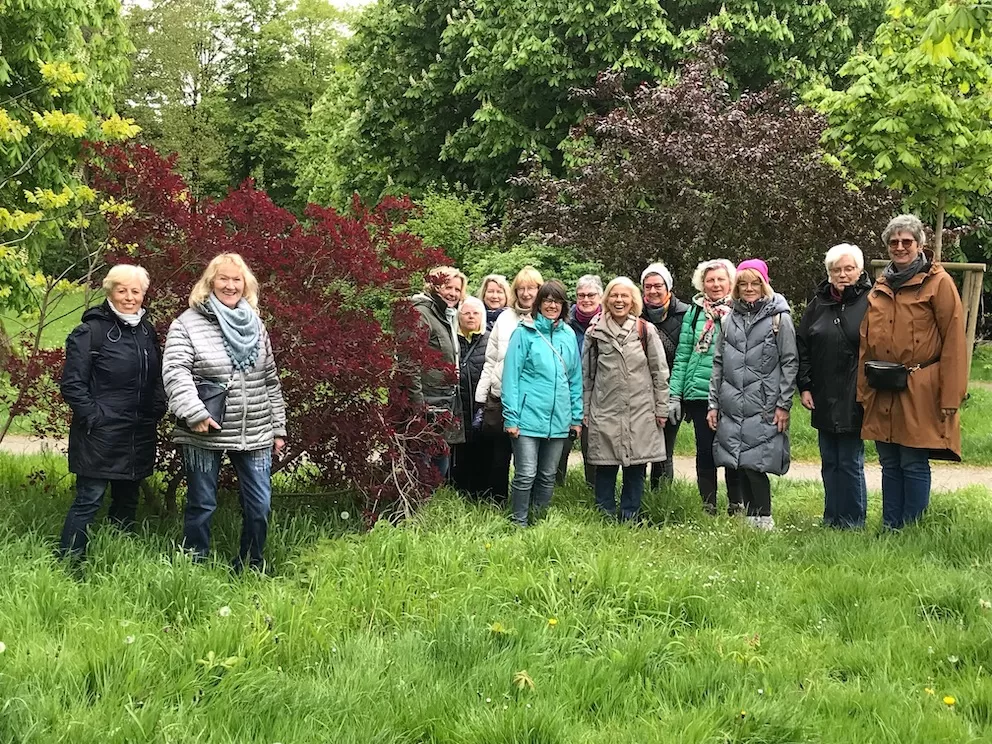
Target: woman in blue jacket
x,y
542,398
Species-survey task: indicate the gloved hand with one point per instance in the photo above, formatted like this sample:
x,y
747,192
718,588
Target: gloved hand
x,y
477,419
674,410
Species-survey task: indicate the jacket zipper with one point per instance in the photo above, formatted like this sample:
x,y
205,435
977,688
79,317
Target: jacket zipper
x,y
554,391
244,412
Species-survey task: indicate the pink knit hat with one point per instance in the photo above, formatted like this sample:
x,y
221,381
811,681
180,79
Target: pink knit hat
x,y
755,264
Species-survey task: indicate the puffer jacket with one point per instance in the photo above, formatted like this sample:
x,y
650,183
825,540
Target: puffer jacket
x,y
669,327
491,382
625,388
437,388
473,358
542,379
691,371
112,380
827,339
754,372
255,412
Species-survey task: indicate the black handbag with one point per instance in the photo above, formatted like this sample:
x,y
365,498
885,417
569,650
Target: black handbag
x,y
214,398
891,376
492,416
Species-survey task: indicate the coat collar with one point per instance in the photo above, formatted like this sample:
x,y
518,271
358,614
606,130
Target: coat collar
x,y
935,268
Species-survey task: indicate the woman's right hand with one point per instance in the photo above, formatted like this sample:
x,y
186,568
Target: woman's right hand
x,y
205,426
513,431
711,417
807,398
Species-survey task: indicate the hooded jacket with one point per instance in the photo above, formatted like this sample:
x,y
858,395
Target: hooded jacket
x,y
438,388
542,379
921,321
626,392
473,358
754,372
255,412
827,340
112,380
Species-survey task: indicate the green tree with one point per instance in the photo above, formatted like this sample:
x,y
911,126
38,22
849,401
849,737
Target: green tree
x,y
60,64
920,121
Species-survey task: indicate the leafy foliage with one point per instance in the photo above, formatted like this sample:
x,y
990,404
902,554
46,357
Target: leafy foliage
x,y
918,117
332,299
448,220
687,172
558,262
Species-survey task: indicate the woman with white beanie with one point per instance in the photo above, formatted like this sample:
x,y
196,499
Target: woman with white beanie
x,y
665,312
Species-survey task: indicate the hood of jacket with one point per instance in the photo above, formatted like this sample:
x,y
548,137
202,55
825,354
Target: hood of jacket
x,y
862,285
540,323
772,306
434,303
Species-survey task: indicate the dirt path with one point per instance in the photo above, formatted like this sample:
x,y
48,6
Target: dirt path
x,y
946,476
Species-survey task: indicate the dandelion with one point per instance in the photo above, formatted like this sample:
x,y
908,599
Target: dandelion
x,y
224,611
488,546
928,690
552,621
129,640
949,701
743,714
345,515
952,659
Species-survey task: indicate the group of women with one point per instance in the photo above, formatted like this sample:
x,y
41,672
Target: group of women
x,y
217,376
625,365
619,370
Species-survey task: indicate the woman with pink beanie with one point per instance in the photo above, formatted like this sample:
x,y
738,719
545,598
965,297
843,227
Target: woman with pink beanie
x,y
751,389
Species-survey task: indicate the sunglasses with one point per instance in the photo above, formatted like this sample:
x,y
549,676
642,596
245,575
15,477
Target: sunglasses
x,y
904,242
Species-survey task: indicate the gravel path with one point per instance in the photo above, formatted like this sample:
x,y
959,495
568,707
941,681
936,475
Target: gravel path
x,y
946,476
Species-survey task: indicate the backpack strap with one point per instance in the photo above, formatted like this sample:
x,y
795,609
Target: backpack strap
x,y
776,323
642,334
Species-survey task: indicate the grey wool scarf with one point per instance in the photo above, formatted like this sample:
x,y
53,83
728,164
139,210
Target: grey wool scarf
x,y
242,331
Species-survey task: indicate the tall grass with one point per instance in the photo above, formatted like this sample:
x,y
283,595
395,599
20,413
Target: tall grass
x,y
457,628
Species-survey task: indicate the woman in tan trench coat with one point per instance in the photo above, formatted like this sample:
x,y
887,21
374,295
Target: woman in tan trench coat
x,y
625,390
914,318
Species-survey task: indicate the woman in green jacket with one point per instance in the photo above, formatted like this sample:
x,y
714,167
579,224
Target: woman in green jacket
x,y
689,387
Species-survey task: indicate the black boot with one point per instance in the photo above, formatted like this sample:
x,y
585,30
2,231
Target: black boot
x,y
706,482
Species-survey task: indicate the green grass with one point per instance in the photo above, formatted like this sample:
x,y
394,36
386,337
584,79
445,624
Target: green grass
x,y
64,314
690,630
981,363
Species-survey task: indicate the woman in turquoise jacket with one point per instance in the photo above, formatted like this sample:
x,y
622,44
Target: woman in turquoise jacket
x,y
689,386
542,399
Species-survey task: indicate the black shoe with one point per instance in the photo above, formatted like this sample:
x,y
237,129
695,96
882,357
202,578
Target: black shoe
x,y
709,508
734,508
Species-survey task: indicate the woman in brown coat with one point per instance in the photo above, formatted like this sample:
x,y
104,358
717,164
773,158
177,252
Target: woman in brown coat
x,y
914,318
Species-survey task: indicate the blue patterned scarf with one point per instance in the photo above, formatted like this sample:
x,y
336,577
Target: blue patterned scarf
x,y
242,331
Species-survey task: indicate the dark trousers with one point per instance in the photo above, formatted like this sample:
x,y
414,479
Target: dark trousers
x,y
470,465
754,491
588,470
845,493
497,468
695,411
631,491
254,469
905,483
664,472
89,497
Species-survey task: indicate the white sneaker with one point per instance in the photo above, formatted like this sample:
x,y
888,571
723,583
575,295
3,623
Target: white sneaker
x,y
754,522
766,523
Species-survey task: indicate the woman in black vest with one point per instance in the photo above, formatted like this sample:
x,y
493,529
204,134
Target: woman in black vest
x,y
828,339
113,382
665,311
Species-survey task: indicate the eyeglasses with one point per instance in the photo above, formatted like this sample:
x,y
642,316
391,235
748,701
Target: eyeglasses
x,y
749,285
650,287
549,301
834,270
587,295
904,242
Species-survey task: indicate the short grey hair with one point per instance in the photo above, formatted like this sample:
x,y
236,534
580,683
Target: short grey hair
x,y
905,223
836,253
590,280
473,302
126,273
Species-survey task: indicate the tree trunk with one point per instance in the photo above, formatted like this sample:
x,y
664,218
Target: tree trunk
x,y
938,228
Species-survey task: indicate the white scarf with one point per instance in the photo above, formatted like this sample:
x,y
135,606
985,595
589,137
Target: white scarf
x,y
132,319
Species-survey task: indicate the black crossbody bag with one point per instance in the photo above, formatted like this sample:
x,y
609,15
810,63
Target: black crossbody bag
x,y
891,376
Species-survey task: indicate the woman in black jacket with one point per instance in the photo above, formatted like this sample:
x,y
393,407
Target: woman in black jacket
x,y
666,311
113,382
471,459
828,339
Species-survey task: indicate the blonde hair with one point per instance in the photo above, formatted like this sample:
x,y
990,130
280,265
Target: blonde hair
x,y
527,275
125,273
205,285
635,292
447,272
501,281
751,274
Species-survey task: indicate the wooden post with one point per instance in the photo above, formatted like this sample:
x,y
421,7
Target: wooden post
x,y
971,295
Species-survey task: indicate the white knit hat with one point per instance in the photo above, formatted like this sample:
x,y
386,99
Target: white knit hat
x,y
661,270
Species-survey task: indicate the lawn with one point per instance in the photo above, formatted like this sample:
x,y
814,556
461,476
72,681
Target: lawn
x,y
64,315
456,628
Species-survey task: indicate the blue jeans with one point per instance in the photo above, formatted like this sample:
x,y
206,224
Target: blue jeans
x,y
255,487
631,491
89,497
905,483
535,461
845,493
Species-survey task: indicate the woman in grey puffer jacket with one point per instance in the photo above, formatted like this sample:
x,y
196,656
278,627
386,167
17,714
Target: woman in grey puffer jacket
x,y
751,388
221,339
